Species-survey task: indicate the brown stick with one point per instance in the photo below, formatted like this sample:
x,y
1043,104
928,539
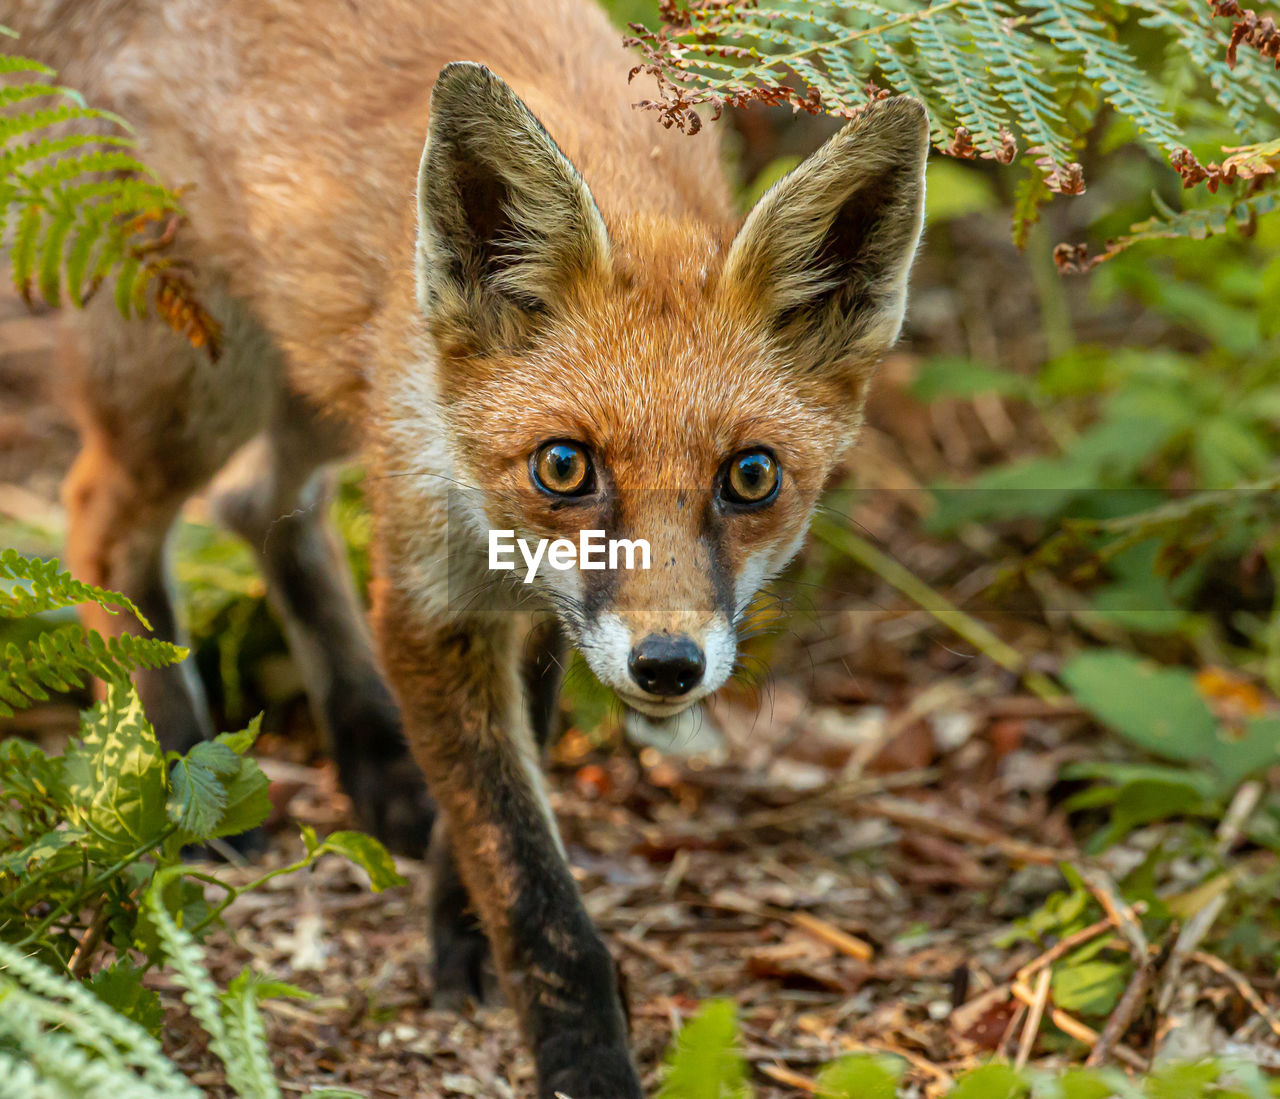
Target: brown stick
x,y
78,966
1065,946
1073,1027
1126,1009
1035,1012
912,815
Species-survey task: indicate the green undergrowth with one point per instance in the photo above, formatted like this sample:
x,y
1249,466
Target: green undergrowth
x,y
705,1062
94,888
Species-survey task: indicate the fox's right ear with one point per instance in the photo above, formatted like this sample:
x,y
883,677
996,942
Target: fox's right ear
x,y
505,222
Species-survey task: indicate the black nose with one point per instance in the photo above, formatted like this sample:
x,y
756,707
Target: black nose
x,y
667,666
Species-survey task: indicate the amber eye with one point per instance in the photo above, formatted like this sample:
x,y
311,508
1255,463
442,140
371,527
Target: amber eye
x,y
562,469
752,478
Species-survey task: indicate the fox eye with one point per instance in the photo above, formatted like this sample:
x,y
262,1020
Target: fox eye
x,y
752,478
562,469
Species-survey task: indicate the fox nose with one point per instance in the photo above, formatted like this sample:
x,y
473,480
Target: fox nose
x,y
667,666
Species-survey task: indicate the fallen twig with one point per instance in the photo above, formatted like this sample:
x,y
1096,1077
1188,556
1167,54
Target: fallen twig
x,y
913,815
1035,1012
1129,1005
1117,909
1242,986
1066,945
938,605
1074,1028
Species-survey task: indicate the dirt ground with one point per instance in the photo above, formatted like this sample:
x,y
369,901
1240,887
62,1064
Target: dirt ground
x,y
872,816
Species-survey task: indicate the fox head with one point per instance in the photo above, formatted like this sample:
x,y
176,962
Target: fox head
x,y
655,377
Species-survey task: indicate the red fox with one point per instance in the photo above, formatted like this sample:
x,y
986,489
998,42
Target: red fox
x,y
568,329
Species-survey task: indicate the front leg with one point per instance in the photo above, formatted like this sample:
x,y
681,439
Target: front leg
x,y
459,688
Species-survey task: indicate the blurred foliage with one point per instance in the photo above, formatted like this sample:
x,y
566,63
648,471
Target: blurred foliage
x,y
83,209
1050,84
60,1041
705,1063
86,835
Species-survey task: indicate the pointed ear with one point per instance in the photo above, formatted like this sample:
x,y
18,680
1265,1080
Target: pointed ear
x,y
824,255
505,222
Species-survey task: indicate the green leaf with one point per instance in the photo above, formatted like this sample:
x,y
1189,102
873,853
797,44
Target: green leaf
x,y
1090,988
217,791
994,1081
115,775
1157,708
860,1077
1237,757
368,854
705,1061
196,799
120,987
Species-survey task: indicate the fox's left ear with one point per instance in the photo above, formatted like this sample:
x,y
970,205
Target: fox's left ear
x,y
824,256
505,222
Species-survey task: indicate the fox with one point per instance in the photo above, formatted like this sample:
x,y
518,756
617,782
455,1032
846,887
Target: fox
x,y
439,240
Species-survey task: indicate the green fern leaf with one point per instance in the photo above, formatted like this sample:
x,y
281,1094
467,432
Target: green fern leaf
x,y
1197,223
126,279
68,168
46,587
965,90
1013,65
16,63
55,237
1070,25
249,1071
1193,28
184,956
60,660
35,1001
22,254
28,122
18,93
13,159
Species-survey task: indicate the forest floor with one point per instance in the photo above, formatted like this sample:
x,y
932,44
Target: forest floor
x,y
845,863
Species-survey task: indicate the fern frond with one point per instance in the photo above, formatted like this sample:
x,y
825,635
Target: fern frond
x,y
1194,224
182,953
86,205
13,159
1013,65
50,588
84,1019
18,125
249,1069
16,63
967,91
60,660
1242,92
1071,26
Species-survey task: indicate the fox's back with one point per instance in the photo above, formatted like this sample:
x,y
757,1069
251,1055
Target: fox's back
x,y
298,126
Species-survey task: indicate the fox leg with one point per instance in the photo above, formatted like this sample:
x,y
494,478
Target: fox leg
x,y
459,687
276,497
462,968
156,422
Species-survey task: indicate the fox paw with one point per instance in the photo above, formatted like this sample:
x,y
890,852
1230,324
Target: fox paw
x,y
392,803
462,972
600,1073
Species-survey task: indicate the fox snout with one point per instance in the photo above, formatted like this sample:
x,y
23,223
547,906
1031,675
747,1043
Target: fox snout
x,y
659,667
667,666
